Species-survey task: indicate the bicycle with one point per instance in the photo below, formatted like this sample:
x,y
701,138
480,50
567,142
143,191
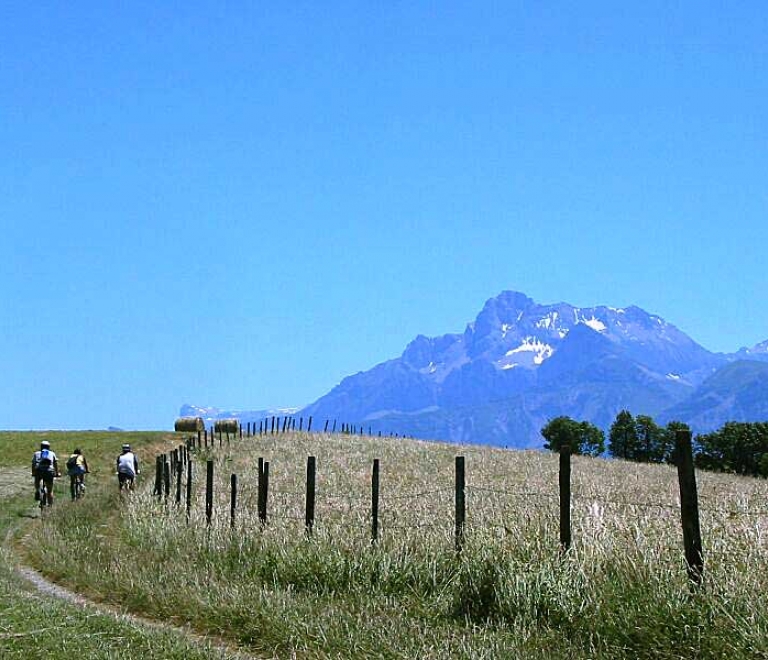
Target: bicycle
x,y
77,487
125,481
43,493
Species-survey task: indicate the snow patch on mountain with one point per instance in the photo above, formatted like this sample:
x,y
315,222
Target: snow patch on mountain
x,y
594,323
532,349
548,321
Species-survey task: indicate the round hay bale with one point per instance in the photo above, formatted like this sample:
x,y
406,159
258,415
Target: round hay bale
x,y
226,426
189,424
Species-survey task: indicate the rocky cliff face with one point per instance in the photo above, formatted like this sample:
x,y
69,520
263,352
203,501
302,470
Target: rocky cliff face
x,y
520,363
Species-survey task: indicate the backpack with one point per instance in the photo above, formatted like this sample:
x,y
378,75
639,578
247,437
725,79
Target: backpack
x,y
72,463
45,460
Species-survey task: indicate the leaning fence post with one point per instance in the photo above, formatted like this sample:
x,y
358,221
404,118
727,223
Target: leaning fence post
x,y
460,502
309,518
564,480
375,501
689,507
232,500
166,478
208,491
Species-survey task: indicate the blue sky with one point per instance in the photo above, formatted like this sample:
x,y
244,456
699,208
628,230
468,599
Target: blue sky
x,y
238,204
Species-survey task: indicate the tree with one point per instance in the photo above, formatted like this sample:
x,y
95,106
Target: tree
x,y
738,447
670,439
622,437
583,437
650,440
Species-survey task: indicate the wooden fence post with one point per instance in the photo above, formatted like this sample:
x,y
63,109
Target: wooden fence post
x,y
166,478
689,507
189,489
232,500
375,501
309,517
265,493
208,492
564,480
179,470
159,477
460,502
262,490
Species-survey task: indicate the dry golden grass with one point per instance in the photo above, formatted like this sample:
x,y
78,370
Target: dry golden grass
x,y
621,591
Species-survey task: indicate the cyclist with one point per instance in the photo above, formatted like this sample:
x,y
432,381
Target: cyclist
x,y
77,468
127,468
45,467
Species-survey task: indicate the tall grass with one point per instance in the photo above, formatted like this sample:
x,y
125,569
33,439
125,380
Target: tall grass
x,y
621,592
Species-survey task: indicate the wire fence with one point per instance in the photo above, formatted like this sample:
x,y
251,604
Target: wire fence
x,y
492,506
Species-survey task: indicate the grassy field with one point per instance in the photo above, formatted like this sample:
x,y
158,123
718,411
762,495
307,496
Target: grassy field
x,y
33,625
621,592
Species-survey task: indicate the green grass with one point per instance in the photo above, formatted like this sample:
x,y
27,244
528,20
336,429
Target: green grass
x,y
33,625
621,592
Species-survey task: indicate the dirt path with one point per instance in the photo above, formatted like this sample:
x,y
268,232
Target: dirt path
x,y
223,649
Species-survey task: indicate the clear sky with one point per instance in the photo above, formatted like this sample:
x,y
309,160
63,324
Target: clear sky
x,y
238,204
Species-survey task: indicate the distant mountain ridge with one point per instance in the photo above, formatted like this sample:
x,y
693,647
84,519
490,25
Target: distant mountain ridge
x,y
520,363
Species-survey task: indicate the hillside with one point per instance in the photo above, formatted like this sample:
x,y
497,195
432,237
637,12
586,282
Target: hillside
x,y
279,590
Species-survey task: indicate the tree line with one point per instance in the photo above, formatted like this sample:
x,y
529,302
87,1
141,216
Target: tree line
x,y
738,447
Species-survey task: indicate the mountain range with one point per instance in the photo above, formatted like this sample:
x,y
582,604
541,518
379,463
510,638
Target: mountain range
x,y
520,363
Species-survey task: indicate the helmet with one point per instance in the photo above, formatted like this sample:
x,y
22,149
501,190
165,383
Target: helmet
x,y
126,447
45,445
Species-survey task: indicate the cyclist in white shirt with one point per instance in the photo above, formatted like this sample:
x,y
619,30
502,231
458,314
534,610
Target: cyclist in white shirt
x,y
127,468
45,467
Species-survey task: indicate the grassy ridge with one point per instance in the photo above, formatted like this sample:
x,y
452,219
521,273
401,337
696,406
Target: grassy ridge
x,y
621,593
33,625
